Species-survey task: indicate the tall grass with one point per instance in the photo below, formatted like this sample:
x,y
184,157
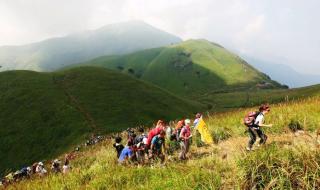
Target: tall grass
x,y
281,168
99,170
288,163
305,112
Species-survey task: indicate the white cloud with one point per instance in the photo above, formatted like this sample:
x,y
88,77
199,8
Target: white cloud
x,y
266,29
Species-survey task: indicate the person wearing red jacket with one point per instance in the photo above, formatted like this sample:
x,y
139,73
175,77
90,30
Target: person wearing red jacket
x,y
156,131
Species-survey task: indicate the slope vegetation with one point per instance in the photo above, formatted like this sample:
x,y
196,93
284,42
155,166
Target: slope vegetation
x,y
231,100
190,68
43,114
288,160
59,52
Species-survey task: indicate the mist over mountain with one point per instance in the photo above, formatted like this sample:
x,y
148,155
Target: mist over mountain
x,y
284,73
114,39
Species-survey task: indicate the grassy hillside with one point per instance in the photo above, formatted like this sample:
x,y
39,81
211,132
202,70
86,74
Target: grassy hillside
x,y
190,68
43,114
231,100
288,161
55,53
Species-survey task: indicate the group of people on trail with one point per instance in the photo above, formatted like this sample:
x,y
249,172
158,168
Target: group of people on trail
x,y
39,169
57,166
142,147
254,122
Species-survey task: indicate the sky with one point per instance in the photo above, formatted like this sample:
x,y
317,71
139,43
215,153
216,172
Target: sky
x,y
277,31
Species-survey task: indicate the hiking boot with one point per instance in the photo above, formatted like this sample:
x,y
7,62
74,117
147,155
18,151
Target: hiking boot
x,y
249,149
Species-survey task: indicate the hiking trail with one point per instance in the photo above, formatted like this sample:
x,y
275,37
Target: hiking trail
x,y
87,116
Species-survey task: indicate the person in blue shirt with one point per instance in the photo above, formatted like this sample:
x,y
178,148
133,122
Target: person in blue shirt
x,y
157,143
127,153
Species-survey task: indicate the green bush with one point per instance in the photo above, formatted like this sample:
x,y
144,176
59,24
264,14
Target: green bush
x,y
295,125
220,134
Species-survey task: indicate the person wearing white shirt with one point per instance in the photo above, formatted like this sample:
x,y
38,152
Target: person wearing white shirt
x,y
255,129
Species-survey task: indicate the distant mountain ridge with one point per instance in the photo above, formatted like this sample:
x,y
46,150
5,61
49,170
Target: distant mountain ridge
x,y
54,53
189,68
284,73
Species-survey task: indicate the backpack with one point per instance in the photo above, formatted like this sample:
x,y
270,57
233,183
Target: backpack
x,y
178,131
139,140
250,118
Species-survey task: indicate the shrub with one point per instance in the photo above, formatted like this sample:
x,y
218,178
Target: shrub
x,y
295,126
131,71
220,134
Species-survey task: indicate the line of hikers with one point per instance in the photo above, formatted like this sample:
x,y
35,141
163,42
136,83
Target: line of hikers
x,y
152,146
142,147
38,168
148,147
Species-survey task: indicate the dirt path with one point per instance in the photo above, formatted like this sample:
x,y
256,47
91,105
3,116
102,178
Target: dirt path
x,y
236,146
91,122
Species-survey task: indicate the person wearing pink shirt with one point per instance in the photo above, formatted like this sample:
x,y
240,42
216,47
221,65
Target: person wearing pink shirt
x,y
185,136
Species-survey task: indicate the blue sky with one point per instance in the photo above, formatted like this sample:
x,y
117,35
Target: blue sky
x,y
280,31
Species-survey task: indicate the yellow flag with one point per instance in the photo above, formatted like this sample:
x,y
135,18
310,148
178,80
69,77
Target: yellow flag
x,y
204,132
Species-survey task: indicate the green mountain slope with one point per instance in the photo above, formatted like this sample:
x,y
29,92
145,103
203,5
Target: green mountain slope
x,y
226,165
43,114
112,39
190,68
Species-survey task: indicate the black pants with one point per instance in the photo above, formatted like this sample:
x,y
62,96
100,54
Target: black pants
x,y
253,137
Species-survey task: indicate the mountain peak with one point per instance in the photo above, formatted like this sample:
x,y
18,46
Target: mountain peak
x,y
112,39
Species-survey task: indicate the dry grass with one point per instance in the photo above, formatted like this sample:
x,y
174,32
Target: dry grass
x,y
288,160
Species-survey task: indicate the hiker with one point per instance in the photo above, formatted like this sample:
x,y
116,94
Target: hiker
x,y
66,166
197,119
17,175
77,149
3,182
55,167
40,169
254,121
178,128
9,177
142,138
159,127
170,130
140,144
25,172
88,143
184,138
157,143
130,132
118,146
132,138
34,167
127,154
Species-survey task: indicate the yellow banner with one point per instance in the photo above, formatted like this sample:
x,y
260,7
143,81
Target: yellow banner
x,y
204,132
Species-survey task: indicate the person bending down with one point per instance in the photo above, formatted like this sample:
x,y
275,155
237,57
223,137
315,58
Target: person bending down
x,y
126,154
157,143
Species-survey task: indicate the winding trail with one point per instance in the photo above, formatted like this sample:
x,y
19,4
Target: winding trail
x,y
62,84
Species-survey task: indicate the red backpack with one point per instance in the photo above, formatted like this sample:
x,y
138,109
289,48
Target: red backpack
x,y
250,118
